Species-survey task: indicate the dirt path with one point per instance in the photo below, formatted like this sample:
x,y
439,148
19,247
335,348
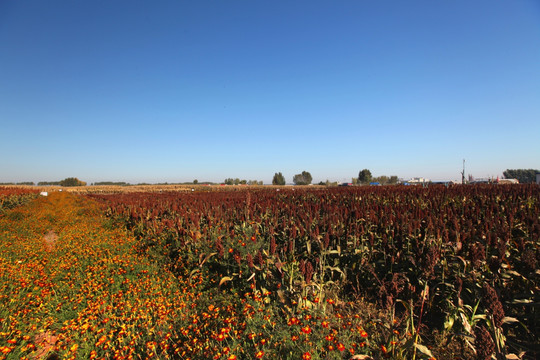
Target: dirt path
x,y
50,240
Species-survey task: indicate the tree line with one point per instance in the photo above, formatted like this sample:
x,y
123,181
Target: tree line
x,y
364,177
71,181
524,176
237,181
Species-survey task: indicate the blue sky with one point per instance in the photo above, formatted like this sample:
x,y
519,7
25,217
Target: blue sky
x,y
173,91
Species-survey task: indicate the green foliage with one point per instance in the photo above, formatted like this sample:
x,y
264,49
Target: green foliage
x,y
49,183
385,180
118,183
72,182
302,179
364,176
19,183
278,179
524,176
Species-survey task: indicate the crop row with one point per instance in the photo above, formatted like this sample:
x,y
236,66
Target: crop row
x,y
454,268
11,197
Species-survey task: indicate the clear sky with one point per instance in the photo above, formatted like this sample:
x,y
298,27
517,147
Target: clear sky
x,y
155,91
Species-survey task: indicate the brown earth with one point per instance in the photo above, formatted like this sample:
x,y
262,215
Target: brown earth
x,y
50,240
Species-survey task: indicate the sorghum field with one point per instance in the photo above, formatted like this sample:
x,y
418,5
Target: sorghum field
x,y
274,273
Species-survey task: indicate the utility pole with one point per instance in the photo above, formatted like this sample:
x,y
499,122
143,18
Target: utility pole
x,y
463,173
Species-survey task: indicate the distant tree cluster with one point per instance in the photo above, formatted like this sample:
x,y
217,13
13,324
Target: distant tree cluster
x,y
72,181
365,177
19,183
278,179
328,183
302,179
524,176
237,181
47,183
385,180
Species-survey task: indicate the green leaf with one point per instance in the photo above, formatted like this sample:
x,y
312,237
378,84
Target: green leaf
x,y
449,323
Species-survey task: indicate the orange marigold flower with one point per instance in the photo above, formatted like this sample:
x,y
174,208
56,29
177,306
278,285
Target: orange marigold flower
x,y
330,301
293,321
101,340
232,357
306,356
364,334
341,347
259,354
383,349
306,329
325,324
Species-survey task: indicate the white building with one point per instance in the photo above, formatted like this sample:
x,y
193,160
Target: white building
x,y
418,180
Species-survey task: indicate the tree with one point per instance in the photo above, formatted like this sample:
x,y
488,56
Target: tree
x,y
278,179
229,181
385,180
364,176
72,182
524,176
302,179
195,182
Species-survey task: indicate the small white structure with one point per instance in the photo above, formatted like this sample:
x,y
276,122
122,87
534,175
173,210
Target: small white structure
x,y
44,193
538,178
507,181
418,180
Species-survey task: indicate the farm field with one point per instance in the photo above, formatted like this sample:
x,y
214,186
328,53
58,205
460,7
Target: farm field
x,y
284,273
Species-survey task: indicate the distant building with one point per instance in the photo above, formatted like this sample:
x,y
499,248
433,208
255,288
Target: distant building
x,y
418,181
507,181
